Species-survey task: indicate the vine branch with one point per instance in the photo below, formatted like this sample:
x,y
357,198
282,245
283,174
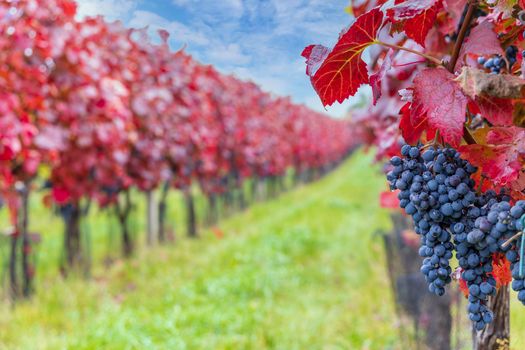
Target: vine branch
x,y
461,36
397,47
455,55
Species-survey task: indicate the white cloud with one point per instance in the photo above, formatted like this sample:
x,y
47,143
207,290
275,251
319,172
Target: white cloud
x,y
112,10
179,32
231,54
256,40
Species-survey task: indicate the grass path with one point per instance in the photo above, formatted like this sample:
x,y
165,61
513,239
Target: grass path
x,y
299,272
303,271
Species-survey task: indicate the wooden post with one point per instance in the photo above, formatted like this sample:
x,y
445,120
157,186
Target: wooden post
x,y
496,336
162,212
151,218
190,213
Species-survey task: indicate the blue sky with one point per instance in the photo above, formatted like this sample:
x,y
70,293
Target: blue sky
x,y
260,40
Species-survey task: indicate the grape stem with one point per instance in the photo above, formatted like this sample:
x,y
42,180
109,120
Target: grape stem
x,y
397,47
511,239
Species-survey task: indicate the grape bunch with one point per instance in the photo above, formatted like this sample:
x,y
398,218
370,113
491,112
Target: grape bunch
x,y
474,250
496,63
513,223
437,191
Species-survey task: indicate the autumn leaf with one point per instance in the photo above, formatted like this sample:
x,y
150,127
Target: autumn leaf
x,y
439,99
411,129
357,10
343,71
389,200
453,10
503,8
501,270
500,155
497,111
482,41
463,287
492,93
376,78
416,16
316,55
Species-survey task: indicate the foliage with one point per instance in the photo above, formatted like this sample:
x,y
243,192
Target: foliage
x,y
433,86
443,73
105,109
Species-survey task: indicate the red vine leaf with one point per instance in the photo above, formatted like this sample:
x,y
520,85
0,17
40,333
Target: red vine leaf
x,y
417,16
463,287
315,55
497,111
503,8
343,71
453,10
389,200
359,9
411,128
501,270
440,98
482,40
376,78
501,157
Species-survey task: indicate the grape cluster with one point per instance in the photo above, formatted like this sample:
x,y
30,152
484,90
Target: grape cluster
x,y
474,250
436,190
496,63
518,280
514,225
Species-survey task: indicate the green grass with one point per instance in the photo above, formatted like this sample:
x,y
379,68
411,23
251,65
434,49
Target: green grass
x,y
303,271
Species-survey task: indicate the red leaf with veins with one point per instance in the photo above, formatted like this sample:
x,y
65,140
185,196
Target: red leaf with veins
x,y
343,71
482,41
497,111
440,98
408,9
411,129
454,10
500,159
418,17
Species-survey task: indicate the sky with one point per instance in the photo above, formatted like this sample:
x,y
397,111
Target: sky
x,y
258,40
